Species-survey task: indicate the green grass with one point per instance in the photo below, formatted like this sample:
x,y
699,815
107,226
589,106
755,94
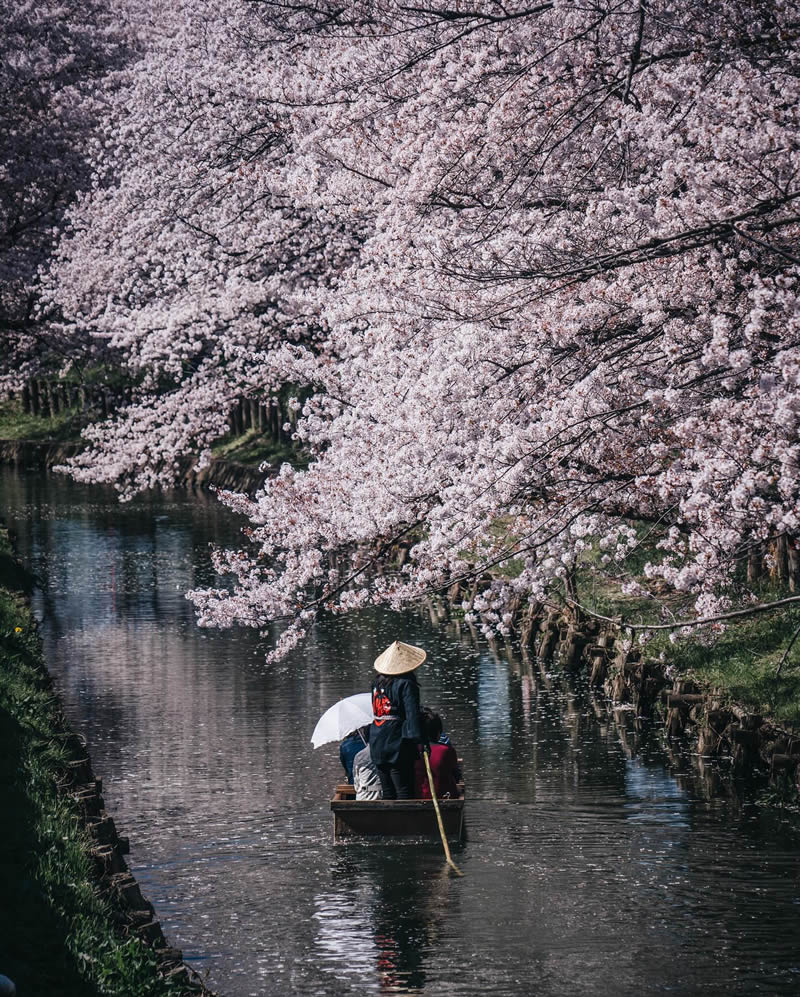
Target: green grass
x,y
56,936
742,662
254,448
604,596
18,425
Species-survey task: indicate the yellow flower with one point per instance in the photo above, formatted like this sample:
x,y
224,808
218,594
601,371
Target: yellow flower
x,y
17,630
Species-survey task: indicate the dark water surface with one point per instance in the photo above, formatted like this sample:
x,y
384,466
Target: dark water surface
x,y
590,867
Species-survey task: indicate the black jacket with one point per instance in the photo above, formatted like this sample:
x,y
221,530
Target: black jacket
x,y
395,705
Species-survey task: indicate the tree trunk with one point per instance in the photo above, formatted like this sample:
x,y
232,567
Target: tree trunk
x,y
781,569
755,567
793,564
283,436
273,423
44,395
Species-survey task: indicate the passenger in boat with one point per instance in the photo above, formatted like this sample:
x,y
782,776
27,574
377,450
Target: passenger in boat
x,y
443,759
366,780
350,747
397,726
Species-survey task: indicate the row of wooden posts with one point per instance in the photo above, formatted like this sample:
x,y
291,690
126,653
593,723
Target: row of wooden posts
x,y
714,727
47,397
269,419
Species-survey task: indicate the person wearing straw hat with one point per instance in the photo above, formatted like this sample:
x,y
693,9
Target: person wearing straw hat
x,y
397,728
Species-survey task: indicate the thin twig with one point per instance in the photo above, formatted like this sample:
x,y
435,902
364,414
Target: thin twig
x,y
790,645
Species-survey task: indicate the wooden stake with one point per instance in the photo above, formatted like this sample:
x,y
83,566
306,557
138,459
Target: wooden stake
x,y
450,862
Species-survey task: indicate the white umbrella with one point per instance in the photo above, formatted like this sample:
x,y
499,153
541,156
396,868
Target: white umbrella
x,y
343,717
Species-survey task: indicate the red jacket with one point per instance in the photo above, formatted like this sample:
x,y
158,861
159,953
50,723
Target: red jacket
x,y
444,765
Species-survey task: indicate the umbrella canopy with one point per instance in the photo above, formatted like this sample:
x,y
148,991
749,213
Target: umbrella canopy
x,y
343,717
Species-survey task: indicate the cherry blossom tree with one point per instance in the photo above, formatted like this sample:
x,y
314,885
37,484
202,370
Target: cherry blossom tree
x,y
557,299
189,258
55,61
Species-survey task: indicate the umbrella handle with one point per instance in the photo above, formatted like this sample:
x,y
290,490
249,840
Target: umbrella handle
x,y
450,862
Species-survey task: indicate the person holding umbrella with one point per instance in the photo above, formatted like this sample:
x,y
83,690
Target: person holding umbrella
x,y
397,726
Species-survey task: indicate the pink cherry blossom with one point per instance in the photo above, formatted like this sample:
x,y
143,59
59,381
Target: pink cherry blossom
x,y
533,270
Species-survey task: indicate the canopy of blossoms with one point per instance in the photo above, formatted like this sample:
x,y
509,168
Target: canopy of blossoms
x,y
534,266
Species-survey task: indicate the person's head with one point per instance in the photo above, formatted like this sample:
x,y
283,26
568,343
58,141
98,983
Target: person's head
x,y
399,659
433,725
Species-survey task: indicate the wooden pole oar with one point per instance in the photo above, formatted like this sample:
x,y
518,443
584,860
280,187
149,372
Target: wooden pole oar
x,y
450,862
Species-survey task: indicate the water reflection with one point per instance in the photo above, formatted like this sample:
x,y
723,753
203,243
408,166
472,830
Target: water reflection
x,y
654,796
494,724
386,919
595,862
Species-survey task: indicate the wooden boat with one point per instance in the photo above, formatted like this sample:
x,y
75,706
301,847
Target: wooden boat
x,y
390,818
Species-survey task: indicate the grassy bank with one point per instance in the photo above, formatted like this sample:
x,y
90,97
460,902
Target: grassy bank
x,y
56,933
743,662
251,448
740,660
18,425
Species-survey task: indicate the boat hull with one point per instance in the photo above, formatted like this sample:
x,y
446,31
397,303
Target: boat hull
x,y
394,818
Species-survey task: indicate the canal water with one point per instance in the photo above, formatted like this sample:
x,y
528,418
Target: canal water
x,y
593,864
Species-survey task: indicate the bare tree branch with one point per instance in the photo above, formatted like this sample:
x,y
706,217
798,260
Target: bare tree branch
x,y
620,621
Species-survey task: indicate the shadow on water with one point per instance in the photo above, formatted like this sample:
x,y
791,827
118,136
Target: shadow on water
x,y
596,862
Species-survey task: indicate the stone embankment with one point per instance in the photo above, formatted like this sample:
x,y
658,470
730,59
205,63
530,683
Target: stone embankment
x,y
130,911
698,718
36,453
225,474
30,702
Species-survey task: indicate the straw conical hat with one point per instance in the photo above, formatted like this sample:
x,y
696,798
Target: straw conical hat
x,y
399,658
